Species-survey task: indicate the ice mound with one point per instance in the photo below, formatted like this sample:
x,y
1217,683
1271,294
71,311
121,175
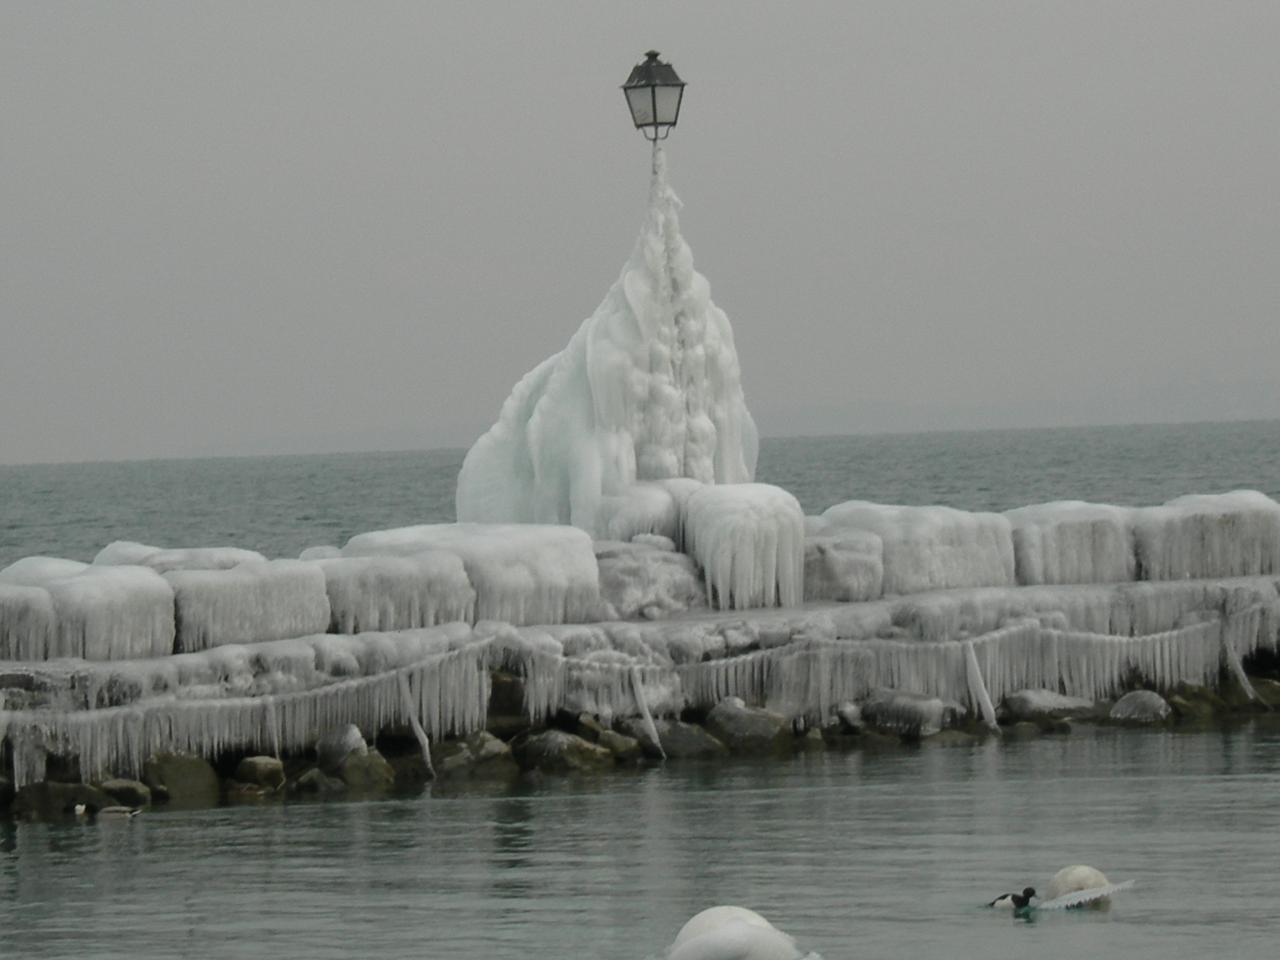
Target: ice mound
x,y
929,548
397,593
749,540
50,607
1233,534
648,389
642,579
521,573
162,560
251,602
1070,541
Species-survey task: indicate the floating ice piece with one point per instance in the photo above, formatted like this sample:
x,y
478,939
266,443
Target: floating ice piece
x,y
1209,535
397,593
848,567
162,561
749,540
1069,541
930,548
731,933
1079,885
521,573
251,602
648,389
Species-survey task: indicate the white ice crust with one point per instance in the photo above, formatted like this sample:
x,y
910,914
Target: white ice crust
x,y
521,573
163,560
1070,541
397,592
647,389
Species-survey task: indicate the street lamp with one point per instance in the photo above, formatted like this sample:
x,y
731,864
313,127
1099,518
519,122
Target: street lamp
x,y
653,94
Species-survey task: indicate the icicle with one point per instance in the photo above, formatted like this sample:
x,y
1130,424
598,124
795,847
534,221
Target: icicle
x,y
406,702
637,691
977,689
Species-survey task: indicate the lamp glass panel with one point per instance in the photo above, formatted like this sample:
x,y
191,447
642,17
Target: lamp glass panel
x,y
640,100
668,103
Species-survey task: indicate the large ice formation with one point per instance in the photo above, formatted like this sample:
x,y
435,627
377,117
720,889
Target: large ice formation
x,y
648,389
731,933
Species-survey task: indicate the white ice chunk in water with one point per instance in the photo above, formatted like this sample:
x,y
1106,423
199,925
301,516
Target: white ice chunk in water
x,y
521,573
749,540
648,389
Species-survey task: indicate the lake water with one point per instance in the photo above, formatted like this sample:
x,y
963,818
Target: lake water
x,y
859,855
881,855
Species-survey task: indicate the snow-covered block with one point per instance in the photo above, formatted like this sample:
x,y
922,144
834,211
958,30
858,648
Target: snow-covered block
x,y
112,613
522,573
846,567
1232,534
397,593
185,558
27,624
1070,541
40,571
251,602
749,540
647,579
931,548
649,388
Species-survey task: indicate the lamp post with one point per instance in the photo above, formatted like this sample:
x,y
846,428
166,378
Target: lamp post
x,y
654,92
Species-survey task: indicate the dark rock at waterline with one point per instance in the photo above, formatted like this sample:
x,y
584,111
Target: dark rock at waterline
x,y
128,793
624,749
7,793
316,782
555,751
479,755
367,772
185,779
53,800
951,738
1141,706
506,716
265,772
679,740
1022,730
752,730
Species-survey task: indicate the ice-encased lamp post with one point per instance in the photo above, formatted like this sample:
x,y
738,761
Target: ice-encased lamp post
x,y
654,92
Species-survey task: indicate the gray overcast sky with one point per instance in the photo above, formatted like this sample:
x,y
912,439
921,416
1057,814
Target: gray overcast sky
x,y
287,227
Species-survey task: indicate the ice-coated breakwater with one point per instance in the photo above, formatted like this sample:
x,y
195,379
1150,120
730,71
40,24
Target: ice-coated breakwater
x,y
152,650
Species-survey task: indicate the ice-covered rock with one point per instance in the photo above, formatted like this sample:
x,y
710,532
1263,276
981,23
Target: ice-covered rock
x,y
251,602
1141,706
324,552
751,730
909,714
521,573
1232,534
749,540
1043,704
929,548
40,571
397,592
849,567
648,389
1070,541
334,746
645,579
28,627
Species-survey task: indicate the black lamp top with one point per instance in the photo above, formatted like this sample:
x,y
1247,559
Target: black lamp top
x,y
653,73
